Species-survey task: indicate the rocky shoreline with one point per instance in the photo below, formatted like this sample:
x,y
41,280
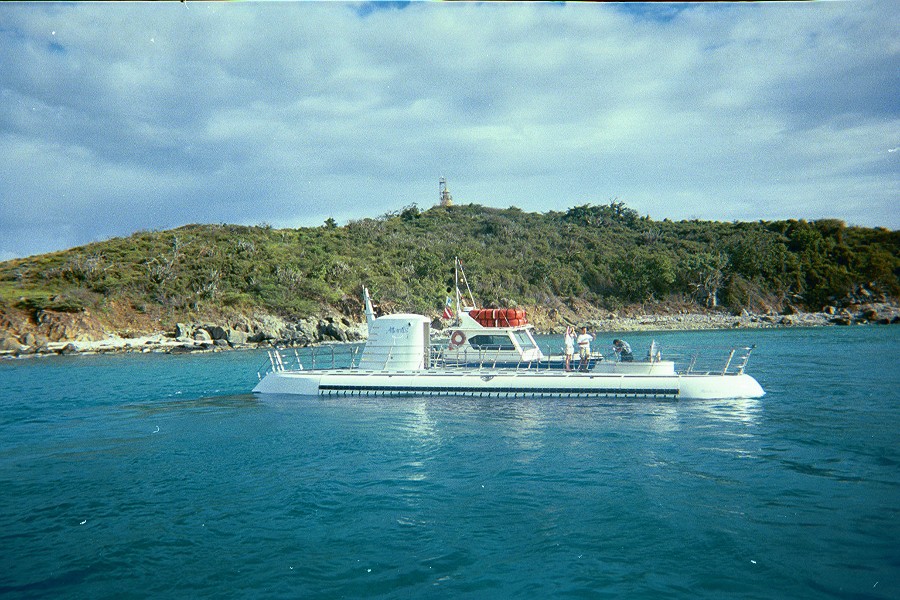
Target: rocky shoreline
x,y
884,314
66,334
63,333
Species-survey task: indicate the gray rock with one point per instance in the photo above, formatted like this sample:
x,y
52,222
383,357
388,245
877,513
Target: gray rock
x,y
182,349
869,314
291,336
9,344
263,336
216,332
201,335
182,330
307,330
69,348
237,337
331,330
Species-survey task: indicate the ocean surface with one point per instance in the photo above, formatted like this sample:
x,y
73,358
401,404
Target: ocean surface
x,y
161,476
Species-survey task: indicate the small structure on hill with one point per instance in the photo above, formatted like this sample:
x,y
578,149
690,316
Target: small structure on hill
x,y
446,198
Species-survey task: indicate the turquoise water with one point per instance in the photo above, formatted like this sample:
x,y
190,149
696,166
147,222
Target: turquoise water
x,y
160,476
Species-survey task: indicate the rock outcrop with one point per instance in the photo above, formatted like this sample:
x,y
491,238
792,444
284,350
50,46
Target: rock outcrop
x,y
48,332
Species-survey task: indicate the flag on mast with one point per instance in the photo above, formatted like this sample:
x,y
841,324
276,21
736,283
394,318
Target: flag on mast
x,y
448,314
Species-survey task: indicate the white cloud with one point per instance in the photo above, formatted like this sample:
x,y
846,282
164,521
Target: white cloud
x,y
291,113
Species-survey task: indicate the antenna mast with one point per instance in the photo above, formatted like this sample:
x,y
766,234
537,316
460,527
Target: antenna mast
x,y
459,274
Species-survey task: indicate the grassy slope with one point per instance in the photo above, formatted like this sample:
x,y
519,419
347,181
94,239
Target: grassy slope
x,y
601,256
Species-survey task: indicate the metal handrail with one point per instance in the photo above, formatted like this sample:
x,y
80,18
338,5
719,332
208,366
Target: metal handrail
x,y
746,359
311,357
728,362
720,360
334,356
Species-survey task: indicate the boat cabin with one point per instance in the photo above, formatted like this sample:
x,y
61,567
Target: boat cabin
x,y
472,343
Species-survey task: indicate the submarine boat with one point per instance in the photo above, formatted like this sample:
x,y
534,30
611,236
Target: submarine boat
x,y
399,359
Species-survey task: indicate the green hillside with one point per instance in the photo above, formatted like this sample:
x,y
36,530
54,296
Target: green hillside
x,y
606,256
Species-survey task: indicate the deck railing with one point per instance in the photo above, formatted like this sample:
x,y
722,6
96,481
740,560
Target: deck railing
x,y
441,357
330,356
710,360
688,361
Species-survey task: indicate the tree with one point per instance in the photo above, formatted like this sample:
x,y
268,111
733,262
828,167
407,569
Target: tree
x,y
706,274
644,274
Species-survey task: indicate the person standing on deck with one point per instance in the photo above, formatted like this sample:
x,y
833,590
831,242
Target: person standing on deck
x,y
623,350
584,349
570,346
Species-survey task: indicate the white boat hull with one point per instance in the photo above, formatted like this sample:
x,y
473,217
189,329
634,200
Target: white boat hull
x,y
508,384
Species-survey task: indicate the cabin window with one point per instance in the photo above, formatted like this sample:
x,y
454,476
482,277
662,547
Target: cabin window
x,y
525,341
491,342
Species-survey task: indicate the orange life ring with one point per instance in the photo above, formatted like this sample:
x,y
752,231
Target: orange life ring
x,y
457,339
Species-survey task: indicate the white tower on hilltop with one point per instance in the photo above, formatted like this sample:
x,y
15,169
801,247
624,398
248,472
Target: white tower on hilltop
x,y
446,198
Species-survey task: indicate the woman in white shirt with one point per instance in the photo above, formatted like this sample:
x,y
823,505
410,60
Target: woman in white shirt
x,y
570,346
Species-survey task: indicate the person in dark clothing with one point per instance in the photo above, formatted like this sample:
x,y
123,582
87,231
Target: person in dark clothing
x,y
623,350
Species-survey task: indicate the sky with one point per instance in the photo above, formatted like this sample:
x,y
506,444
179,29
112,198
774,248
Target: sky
x,y
117,118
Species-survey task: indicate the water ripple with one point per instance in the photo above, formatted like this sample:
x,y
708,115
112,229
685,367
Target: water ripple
x,y
133,473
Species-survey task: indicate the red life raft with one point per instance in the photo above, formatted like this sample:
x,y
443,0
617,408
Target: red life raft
x,y
499,317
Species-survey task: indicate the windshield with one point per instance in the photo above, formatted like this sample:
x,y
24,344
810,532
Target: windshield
x,y
525,340
491,342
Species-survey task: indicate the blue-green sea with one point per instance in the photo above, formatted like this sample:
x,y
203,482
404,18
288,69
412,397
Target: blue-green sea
x,y
161,476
